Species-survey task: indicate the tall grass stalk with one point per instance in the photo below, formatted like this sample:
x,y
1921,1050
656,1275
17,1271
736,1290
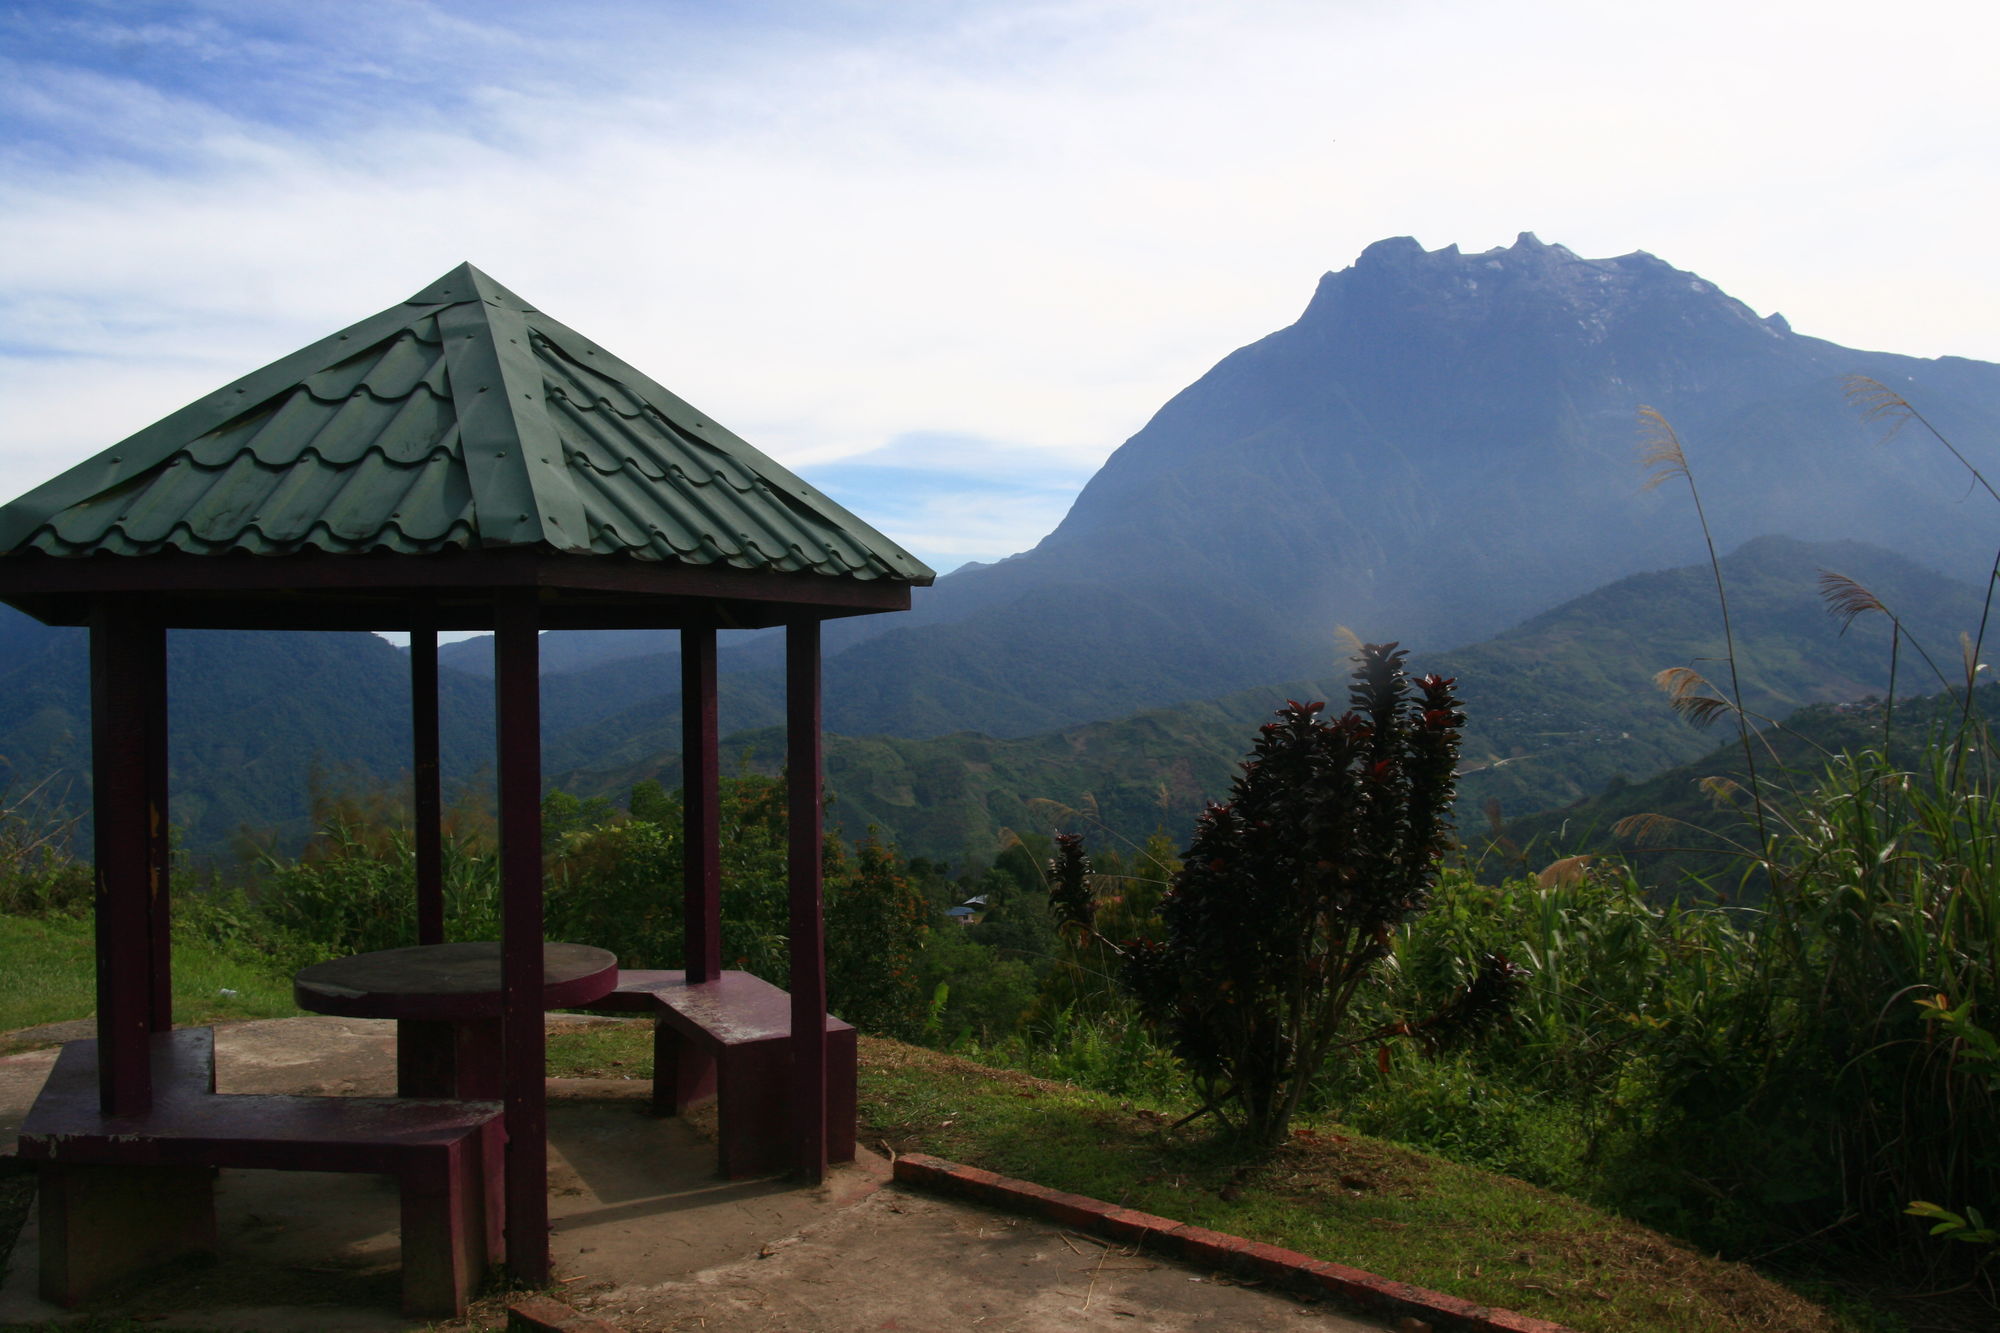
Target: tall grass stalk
x,y
1878,402
1665,459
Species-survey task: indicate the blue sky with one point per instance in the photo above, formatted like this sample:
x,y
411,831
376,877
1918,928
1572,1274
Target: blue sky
x,y
942,258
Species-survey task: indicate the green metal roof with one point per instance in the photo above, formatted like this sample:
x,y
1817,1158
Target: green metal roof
x,y
463,417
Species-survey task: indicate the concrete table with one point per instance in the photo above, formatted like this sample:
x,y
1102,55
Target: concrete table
x,y
445,999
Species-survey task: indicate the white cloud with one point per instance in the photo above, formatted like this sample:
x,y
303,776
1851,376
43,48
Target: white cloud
x,y
838,227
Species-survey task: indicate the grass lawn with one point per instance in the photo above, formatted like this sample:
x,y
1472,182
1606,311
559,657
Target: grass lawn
x,y
1329,1193
50,977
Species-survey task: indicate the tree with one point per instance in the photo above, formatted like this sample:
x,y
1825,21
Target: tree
x,y
1289,891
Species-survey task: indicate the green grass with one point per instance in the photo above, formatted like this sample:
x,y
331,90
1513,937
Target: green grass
x,y
602,1048
1329,1193
50,977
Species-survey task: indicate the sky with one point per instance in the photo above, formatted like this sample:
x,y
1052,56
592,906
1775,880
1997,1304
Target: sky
x,y
942,257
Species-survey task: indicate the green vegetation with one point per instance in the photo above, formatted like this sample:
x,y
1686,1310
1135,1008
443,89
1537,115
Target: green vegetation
x,y
51,978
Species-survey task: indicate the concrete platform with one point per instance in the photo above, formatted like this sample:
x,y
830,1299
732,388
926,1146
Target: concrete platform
x,y
645,1234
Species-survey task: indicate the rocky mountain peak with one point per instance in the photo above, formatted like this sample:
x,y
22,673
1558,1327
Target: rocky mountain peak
x,y
1397,289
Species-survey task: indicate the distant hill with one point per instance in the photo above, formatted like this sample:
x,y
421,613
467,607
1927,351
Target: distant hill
x,y
1696,846
250,717
1559,707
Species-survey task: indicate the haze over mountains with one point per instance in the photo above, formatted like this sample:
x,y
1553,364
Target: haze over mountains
x,y
1440,448
1558,708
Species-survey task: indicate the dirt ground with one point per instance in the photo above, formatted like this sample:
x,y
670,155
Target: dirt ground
x,y
645,1235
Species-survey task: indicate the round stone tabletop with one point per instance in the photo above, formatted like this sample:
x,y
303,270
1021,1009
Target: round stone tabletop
x,y
447,982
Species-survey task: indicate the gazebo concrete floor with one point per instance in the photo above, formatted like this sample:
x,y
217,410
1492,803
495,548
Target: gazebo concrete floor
x,y
645,1234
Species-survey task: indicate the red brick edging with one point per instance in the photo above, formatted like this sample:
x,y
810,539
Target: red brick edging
x,y
1351,1286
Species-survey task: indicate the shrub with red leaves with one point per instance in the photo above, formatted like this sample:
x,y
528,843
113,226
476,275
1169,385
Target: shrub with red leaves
x,y
1289,891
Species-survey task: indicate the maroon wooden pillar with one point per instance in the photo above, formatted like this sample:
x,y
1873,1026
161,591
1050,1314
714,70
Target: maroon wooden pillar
x,y
128,738
159,839
517,695
808,933
701,807
426,793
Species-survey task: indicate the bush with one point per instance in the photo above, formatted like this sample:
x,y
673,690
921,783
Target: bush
x,y
1290,892
38,874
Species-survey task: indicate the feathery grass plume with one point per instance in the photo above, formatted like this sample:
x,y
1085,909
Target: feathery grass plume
x,y
1050,812
1878,402
1656,832
1660,451
1724,791
1847,601
1568,870
1683,687
1647,829
1665,459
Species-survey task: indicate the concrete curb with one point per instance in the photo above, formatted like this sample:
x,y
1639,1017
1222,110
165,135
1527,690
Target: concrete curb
x,y
1351,1286
539,1314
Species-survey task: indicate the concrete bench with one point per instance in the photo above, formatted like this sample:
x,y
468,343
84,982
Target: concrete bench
x,y
730,1039
121,1193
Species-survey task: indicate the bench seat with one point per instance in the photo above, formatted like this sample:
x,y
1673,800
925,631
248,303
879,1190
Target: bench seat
x,y
730,1039
122,1192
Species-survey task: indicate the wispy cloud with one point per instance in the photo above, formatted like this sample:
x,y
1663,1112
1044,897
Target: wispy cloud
x,y
849,228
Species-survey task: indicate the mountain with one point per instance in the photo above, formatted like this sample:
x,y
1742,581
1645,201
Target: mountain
x,y
1441,446
1558,707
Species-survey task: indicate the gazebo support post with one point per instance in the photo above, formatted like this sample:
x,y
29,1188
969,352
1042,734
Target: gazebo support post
x,y
517,695
159,838
128,736
701,807
808,929
426,794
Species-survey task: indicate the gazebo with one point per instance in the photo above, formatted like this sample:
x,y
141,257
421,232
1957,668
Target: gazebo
x,y
460,461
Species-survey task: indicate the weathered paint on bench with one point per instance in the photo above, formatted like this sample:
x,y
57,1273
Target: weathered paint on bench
x,y
122,1192
730,1039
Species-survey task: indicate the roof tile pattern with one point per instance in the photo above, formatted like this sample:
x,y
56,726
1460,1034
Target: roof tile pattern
x,y
463,418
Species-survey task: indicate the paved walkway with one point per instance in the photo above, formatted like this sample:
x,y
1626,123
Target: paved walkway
x,y
644,1234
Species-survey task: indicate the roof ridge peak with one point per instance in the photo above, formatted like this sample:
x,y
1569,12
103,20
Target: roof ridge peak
x,y
467,283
